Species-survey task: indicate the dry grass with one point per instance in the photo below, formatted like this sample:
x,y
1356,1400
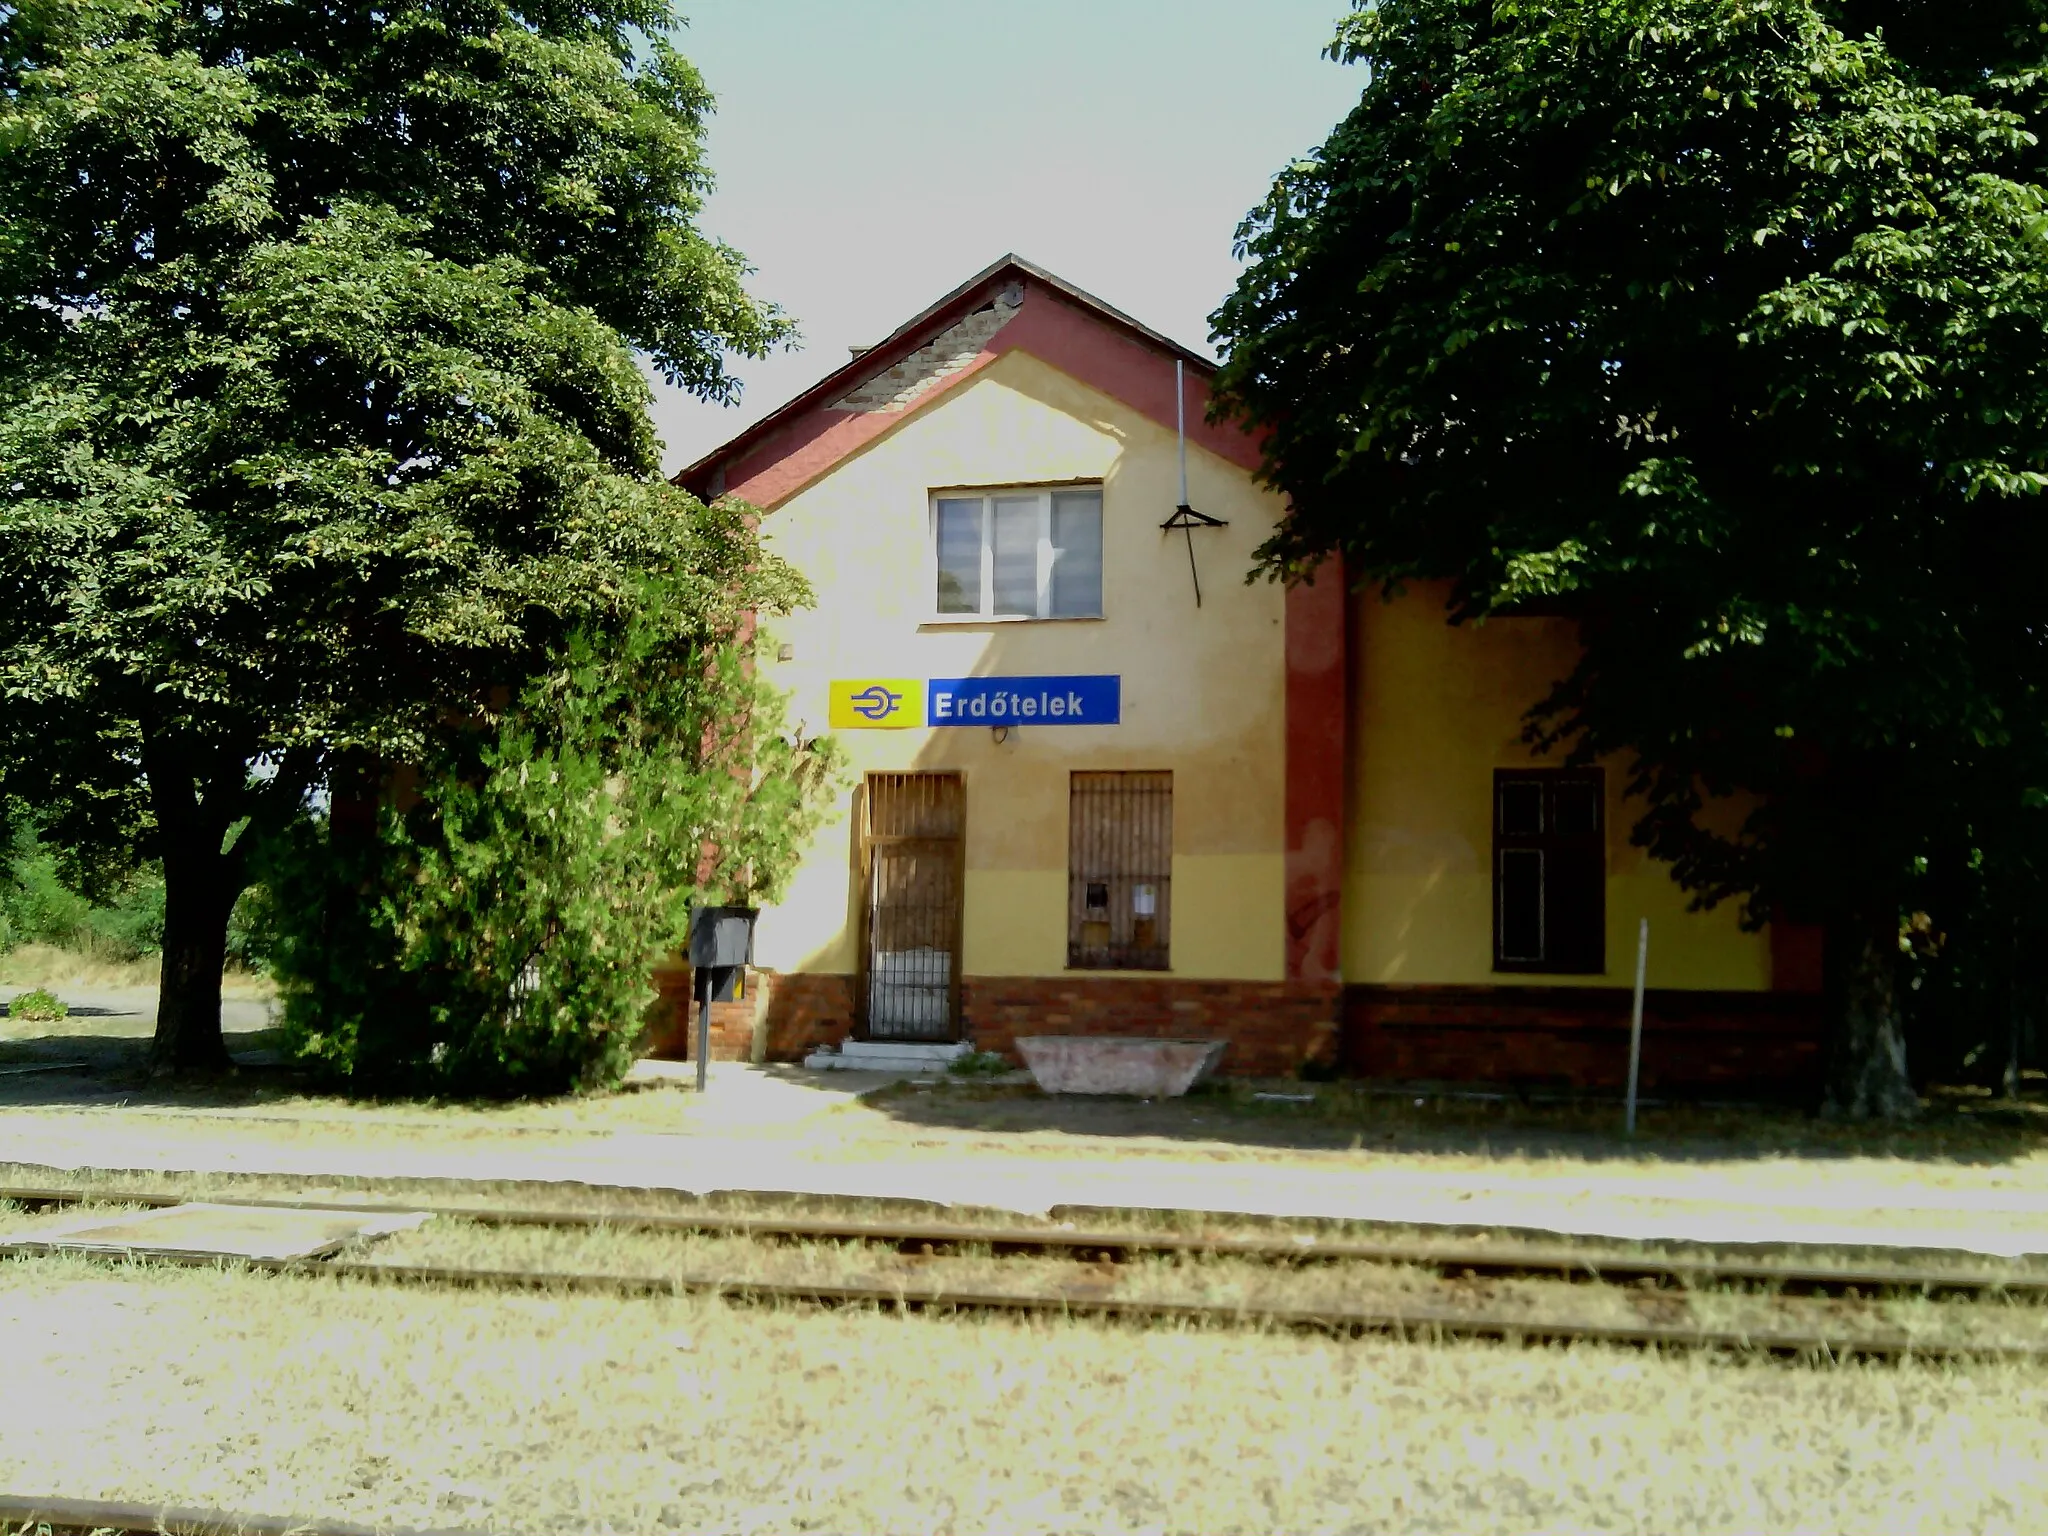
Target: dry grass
x,y
1963,1126
48,965
558,1413
45,965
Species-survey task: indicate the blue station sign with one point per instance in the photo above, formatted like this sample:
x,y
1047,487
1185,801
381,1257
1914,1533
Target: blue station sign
x,y
1091,700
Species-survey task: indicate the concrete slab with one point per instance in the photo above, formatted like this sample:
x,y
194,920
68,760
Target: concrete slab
x,y
741,1095
904,1057
199,1229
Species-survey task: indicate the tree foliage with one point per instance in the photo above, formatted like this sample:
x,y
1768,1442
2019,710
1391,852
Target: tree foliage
x,y
1719,323
319,412
41,903
495,929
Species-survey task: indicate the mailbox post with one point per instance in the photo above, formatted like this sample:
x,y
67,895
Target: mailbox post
x,y
721,944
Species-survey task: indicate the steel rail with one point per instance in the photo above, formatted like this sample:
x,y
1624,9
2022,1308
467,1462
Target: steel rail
x,y
1495,1259
1430,1321
91,1515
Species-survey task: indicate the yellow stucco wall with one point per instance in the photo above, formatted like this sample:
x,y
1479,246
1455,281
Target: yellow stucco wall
x,y
1435,709
1203,689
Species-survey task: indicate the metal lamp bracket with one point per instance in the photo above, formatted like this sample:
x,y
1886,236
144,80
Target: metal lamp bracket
x,y
1185,517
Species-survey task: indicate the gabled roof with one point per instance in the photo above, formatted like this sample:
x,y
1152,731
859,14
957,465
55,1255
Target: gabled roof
x,y
799,423
991,276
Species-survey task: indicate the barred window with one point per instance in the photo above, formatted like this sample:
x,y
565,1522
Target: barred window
x,y
1549,870
1119,871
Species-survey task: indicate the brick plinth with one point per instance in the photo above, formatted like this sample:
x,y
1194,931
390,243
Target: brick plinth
x,y
672,1032
1577,1037
1273,1027
805,1012
1539,1037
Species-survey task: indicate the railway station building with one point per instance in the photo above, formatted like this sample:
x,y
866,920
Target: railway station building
x,y
1104,784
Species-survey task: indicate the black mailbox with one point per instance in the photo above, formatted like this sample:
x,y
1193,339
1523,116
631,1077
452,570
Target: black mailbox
x,y
722,937
721,945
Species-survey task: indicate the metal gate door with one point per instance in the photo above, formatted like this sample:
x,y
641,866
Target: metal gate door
x,y
911,859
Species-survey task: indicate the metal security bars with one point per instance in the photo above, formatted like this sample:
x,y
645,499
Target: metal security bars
x,y
1119,871
911,847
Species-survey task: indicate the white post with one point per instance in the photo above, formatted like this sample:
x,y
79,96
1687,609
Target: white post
x,y
1635,1023
1180,428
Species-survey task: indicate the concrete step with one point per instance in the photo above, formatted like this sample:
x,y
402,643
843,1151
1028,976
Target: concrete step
x,y
889,1056
923,1050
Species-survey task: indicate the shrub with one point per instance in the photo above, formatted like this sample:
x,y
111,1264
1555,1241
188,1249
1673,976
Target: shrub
x,y
131,925
36,906
39,1006
980,1064
497,936
43,901
252,929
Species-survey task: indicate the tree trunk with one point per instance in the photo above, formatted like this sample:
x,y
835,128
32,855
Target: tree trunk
x,y
201,882
1867,1059
200,887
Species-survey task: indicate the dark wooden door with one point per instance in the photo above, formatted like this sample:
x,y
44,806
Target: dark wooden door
x,y
912,857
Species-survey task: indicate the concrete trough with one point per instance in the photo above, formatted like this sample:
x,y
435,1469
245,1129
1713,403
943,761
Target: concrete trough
x,y
1143,1068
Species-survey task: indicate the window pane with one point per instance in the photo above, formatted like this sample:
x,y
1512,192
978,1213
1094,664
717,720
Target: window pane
x,y
1520,894
960,556
1575,910
1016,552
1574,809
1521,808
1077,553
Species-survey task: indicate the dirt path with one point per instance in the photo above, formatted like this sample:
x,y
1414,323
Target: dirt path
x,y
124,1013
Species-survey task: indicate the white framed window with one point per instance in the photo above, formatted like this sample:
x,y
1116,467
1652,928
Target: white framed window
x,y
1018,554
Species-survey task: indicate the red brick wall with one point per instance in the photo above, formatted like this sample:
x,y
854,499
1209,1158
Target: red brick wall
x,y
672,1034
1577,1037
1554,1037
1272,1026
805,1012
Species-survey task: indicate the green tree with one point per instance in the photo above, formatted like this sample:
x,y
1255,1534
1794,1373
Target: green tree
x,y
495,929
1722,325
319,414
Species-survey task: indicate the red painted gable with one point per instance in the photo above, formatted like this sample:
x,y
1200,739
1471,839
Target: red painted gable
x,y
1062,327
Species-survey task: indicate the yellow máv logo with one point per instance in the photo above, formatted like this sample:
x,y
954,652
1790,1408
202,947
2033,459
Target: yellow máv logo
x,y
877,703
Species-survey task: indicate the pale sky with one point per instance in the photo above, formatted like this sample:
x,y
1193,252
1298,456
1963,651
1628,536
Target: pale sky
x,y
872,156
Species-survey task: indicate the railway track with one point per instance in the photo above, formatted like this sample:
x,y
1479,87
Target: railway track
x,y
1820,1335
1511,1259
